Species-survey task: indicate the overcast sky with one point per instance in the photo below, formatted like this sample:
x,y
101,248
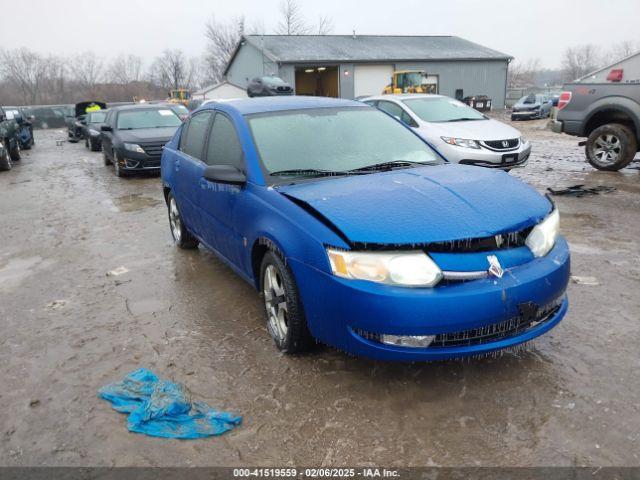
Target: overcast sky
x,y
522,28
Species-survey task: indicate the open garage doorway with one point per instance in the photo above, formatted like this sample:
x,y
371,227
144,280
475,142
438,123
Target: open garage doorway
x,y
318,81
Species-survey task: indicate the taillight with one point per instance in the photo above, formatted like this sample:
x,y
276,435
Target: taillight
x,y
563,101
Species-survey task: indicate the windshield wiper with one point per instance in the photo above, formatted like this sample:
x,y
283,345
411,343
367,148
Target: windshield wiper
x,y
464,119
307,172
388,165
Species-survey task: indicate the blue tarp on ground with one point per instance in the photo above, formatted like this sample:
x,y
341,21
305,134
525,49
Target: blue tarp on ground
x,y
160,408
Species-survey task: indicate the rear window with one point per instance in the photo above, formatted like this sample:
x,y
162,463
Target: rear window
x,y
137,119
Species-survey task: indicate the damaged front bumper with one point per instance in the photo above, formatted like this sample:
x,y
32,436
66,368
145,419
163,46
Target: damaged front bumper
x,y
464,318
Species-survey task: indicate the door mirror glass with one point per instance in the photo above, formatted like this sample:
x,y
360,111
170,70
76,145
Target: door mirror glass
x,y
224,174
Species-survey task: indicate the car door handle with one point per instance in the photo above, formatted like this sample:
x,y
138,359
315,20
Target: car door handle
x,y
177,164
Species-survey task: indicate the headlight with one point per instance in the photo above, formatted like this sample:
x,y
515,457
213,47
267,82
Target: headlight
x,y
543,236
411,269
133,147
95,133
461,142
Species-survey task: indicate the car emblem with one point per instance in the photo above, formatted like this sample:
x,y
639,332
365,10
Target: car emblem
x,y
495,268
505,143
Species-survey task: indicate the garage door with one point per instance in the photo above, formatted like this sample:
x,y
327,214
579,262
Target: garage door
x,y
371,79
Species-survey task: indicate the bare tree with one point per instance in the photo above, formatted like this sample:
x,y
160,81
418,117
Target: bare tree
x,y
125,69
173,70
622,50
26,70
325,25
522,75
580,60
292,21
222,39
87,69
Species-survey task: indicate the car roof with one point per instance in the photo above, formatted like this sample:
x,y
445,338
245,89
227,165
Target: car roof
x,y
140,106
402,96
248,106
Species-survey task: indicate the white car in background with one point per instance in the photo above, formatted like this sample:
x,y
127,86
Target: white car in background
x,y
460,133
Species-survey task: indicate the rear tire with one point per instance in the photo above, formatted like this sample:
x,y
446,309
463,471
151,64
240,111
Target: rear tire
x,y
286,321
179,231
611,147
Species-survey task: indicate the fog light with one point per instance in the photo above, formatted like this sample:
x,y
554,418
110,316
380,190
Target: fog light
x,y
417,341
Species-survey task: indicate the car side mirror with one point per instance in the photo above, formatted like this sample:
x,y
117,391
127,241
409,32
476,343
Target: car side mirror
x,y
83,122
106,128
224,174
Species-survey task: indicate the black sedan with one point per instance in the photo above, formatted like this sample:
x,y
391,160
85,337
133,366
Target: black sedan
x,y
90,129
75,124
268,86
133,136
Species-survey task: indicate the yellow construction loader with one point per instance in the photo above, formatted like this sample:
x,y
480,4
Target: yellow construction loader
x,y
180,95
409,81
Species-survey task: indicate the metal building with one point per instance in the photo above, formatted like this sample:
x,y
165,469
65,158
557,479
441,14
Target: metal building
x,y
350,66
626,70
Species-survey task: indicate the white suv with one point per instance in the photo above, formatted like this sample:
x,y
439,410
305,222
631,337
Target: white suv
x,y
457,131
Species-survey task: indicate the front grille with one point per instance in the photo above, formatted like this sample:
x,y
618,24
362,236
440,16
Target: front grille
x,y
153,149
488,333
501,241
151,163
283,89
501,145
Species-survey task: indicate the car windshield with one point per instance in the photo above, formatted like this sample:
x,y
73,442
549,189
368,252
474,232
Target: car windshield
x,y
529,99
181,109
274,80
137,119
442,109
334,141
96,117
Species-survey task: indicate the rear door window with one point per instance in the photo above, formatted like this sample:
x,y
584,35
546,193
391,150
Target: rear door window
x,y
224,147
195,133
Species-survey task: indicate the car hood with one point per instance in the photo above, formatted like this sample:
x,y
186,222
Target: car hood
x,y
421,205
471,130
144,135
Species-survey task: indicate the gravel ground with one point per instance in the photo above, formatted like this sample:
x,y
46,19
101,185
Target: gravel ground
x,y
67,328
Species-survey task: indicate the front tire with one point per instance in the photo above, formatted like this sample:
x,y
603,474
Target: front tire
x,y
105,158
120,173
179,231
5,161
286,321
15,152
611,147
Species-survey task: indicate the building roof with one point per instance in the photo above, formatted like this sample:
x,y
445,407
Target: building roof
x,y
368,48
209,88
248,106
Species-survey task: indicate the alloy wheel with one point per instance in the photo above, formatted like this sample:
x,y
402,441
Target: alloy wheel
x,y
275,299
174,220
607,149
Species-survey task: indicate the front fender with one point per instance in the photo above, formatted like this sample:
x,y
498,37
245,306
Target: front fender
x,y
274,221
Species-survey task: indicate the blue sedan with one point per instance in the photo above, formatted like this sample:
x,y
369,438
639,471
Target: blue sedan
x,y
358,235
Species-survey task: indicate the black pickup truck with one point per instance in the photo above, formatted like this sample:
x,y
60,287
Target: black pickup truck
x,y
608,114
9,141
